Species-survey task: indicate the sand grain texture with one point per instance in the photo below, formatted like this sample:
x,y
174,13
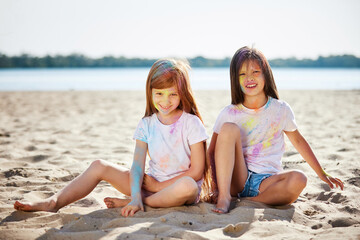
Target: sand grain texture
x,y
48,138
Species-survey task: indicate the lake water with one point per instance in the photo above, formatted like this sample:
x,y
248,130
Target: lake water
x,y
135,78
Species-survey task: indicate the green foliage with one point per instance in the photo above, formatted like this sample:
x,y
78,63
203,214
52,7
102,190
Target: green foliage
x,y
81,61
340,61
205,62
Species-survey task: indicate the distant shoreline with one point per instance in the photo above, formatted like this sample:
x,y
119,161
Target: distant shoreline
x,y
81,61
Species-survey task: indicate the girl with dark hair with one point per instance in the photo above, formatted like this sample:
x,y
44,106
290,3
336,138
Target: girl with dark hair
x,y
248,140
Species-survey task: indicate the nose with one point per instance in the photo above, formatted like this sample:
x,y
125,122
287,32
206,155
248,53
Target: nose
x,y
250,77
166,99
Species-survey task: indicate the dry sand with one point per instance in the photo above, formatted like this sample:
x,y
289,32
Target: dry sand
x,y
48,138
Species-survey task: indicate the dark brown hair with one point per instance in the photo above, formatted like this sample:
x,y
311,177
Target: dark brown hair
x,y
240,57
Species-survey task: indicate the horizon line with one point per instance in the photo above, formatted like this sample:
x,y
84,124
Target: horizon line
x,y
176,57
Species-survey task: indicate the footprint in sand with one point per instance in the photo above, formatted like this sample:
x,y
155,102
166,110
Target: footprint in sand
x,y
235,230
343,222
351,210
290,153
5,142
310,212
30,148
345,150
332,197
356,136
334,157
354,181
317,226
15,172
5,134
36,158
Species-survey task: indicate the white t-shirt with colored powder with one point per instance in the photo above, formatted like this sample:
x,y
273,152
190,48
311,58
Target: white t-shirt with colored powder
x,y
262,132
169,145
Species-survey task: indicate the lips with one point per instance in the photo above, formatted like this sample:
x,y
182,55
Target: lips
x,y
251,85
165,108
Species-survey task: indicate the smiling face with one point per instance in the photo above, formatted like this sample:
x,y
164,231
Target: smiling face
x,y
166,101
252,80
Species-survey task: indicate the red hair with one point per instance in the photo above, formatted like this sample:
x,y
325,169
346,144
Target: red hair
x,y
166,73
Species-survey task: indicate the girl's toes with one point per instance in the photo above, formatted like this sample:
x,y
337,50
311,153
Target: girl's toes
x,y
220,210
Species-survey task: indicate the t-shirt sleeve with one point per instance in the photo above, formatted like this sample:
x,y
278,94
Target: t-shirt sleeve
x,y
197,132
141,131
290,123
220,120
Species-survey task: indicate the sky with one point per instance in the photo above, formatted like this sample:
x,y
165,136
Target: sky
x,y
180,28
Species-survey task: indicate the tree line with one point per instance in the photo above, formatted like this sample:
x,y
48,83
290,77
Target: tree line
x,y
82,61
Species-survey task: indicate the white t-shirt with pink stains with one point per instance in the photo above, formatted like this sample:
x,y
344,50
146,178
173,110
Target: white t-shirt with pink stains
x,y
262,132
169,145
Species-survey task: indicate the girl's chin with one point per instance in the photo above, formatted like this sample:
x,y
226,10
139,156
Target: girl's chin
x,y
164,112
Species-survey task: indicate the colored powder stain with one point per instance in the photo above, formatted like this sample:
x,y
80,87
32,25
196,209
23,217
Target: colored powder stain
x,y
163,68
262,108
266,144
257,149
138,153
275,132
136,176
267,103
250,125
173,127
178,141
241,81
273,135
164,162
183,167
172,130
234,111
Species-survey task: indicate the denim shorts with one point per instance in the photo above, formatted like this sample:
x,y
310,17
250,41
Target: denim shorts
x,y
253,181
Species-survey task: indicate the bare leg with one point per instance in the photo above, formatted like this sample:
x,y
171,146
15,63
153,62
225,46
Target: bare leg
x,y
184,191
230,165
82,186
281,189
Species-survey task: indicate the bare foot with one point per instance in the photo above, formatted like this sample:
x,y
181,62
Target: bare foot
x,y
222,205
47,205
116,202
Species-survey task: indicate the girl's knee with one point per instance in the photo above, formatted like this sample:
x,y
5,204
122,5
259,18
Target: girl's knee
x,y
187,186
98,166
297,180
98,163
229,129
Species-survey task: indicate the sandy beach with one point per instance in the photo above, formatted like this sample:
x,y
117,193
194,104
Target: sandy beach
x,y
48,138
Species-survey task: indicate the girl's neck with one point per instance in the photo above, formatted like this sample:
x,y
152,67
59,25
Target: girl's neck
x,y
255,102
169,118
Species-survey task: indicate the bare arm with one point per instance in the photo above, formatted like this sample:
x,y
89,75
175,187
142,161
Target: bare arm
x,y
195,171
136,179
302,146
